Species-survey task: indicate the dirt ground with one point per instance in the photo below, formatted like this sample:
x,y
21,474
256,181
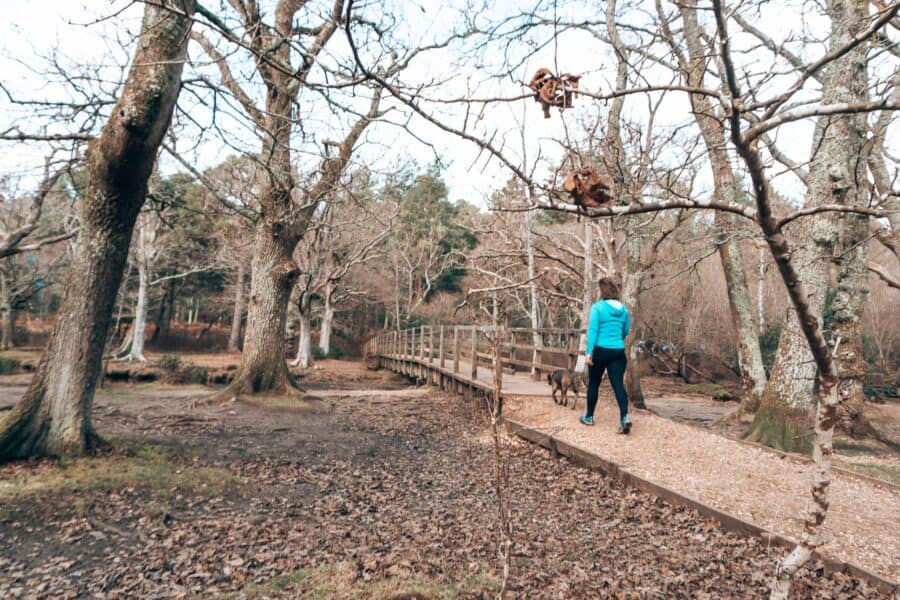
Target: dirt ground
x,y
377,490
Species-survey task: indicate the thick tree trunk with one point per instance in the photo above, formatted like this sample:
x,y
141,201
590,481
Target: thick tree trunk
x,y
847,307
54,416
327,321
753,374
783,419
237,318
263,364
139,325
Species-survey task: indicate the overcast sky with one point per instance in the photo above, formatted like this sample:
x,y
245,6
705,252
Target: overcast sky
x,y
94,34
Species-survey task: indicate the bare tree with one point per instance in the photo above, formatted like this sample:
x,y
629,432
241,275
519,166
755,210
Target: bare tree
x,y
346,233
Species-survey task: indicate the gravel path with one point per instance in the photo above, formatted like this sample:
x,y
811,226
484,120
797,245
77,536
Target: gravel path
x,y
863,524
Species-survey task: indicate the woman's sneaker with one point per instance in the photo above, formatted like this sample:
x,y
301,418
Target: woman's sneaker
x,y
625,425
586,420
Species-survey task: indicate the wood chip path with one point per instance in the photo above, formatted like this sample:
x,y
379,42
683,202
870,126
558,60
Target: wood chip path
x,y
863,524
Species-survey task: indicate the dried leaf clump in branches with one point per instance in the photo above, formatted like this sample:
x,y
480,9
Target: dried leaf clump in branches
x,y
588,188
553,90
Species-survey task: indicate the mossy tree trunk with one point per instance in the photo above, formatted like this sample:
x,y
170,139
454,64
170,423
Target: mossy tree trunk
x,y
54,416
836,176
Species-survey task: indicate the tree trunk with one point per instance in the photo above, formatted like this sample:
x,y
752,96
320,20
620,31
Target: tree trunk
x,y
534,307
761,292
784,418
54,416
234,340
304,338
273,274
631,297
9,327
753,374
851,293
9,316
327,321
139,325
166,312
589,284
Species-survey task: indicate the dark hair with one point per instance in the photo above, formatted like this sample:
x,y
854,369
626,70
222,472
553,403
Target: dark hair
x,y
609,288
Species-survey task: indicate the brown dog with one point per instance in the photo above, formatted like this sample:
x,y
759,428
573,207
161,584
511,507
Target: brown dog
x,y
561,380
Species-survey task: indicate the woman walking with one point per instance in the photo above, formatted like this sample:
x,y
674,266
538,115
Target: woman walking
x,y
608,327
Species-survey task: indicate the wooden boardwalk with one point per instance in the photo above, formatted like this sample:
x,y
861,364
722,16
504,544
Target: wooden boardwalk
x,y
513,384
458,357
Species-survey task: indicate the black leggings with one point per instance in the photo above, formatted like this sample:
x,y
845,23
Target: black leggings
x,y
614,362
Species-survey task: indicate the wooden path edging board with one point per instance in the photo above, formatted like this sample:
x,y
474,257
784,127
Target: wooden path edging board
x,y
729,522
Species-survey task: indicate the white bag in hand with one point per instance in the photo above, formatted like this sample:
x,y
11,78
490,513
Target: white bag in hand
x,y
580,364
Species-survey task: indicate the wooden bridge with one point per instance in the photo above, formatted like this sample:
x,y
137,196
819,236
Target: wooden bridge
x,y
459,357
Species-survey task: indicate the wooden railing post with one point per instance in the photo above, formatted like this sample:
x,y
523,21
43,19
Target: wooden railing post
x,y
474,352
422,342
441,347
431,344
571,347
456,348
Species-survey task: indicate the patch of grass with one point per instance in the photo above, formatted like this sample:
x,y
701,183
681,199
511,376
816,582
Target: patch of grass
x,y
848,447
10,366
889,473
21,354
713,390
169,362
128,465
339,581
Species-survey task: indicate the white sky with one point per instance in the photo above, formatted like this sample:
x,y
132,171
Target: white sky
x,y
76,33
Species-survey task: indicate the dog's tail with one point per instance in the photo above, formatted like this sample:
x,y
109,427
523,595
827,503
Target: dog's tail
x,y
550,378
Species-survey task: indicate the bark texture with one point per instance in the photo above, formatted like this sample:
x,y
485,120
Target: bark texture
x,y
263,367
54,416
140,315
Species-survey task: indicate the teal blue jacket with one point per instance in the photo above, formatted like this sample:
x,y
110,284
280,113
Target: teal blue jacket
x,y
608,326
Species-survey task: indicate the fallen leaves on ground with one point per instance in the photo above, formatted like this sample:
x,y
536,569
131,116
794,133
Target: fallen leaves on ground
x,y
385,499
